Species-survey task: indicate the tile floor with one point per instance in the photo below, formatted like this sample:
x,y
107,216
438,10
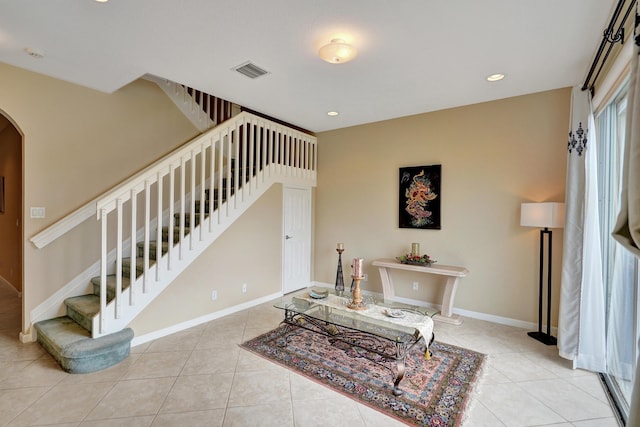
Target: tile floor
x,y
200,377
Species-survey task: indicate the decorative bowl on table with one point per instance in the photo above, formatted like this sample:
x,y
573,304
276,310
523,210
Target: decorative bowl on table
x,y
423,260
318,293
394,313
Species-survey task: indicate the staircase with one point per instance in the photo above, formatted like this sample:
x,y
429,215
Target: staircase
x,y
68,338
184,201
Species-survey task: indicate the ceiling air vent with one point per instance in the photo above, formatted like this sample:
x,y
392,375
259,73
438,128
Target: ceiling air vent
x,y
250,70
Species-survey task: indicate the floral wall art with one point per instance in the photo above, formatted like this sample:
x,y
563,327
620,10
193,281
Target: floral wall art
x,y
419,197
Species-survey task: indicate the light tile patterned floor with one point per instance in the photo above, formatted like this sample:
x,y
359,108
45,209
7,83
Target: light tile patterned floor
x,y
200,377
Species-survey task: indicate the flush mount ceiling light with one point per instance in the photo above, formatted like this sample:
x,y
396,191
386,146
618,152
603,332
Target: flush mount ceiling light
x,y
332,113
337,52
495,77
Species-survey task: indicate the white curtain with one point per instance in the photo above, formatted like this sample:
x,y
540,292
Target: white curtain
x,y
620,331
627,229
581,322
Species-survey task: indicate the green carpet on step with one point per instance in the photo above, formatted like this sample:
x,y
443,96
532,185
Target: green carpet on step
x,y
74,349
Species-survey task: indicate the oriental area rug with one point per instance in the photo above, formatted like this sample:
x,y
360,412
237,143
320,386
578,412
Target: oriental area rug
x,y
436,391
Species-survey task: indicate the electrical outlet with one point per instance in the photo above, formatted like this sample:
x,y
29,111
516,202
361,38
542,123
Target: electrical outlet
x,y
244,288
214,295
416,286
366,277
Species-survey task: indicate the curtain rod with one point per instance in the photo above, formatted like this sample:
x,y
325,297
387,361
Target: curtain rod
x,y
609,37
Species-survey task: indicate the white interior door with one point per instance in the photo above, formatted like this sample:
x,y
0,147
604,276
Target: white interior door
x,y
296,264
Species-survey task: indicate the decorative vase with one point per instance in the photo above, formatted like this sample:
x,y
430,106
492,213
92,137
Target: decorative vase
x,y
339,274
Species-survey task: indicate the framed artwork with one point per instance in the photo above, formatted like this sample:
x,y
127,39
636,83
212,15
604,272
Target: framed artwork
x,y
419,197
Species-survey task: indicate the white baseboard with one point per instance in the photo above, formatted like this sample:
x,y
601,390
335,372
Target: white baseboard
x,y
466,313
202,319
28,337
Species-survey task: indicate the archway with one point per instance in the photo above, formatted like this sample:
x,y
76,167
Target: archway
x,y
11,227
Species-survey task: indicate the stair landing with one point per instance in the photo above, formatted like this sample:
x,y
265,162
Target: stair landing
x,y
74,349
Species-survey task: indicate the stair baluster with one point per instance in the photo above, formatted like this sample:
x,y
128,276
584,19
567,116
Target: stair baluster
x,y
220,174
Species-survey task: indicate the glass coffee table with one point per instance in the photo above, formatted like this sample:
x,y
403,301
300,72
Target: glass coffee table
x,y
388,329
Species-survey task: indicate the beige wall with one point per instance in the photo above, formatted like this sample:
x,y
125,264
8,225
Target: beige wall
x,y
77,143
494,157
11,218
248,252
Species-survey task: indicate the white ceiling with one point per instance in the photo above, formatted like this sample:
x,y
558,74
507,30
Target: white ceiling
x,y
414,56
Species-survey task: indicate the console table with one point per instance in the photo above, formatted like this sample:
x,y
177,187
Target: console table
x,y
453,274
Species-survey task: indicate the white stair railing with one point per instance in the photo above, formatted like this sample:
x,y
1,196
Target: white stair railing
x,y
203,110
173,192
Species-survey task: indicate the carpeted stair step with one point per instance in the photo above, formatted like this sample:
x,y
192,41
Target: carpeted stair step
x,y
111,285
224,189
152,249
206,205
82,309
126,266
216,192
176,233
187,219
247,175
73,348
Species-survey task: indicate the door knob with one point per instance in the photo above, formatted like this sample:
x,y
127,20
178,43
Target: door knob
x,y
287,237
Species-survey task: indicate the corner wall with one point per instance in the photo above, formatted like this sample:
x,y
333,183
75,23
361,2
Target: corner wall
x,y
494,156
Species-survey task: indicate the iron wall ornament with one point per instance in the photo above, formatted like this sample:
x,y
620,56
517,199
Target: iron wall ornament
x,y
419,197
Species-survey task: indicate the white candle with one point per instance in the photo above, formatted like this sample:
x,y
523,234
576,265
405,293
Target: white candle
x,y
357,267
341,246
415,249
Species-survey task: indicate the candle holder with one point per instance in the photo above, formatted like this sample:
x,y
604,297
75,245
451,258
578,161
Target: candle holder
x,y
339,274
356,303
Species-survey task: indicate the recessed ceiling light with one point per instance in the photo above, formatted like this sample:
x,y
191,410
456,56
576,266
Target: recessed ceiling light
x,y
495,77
332,113
102,1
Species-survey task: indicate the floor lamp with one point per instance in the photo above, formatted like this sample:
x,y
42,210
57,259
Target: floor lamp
x,y
546,216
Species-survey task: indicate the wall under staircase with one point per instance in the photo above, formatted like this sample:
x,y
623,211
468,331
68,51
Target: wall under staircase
x,y
185,201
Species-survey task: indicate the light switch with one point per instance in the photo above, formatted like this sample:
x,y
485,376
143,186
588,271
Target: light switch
x,y
37,212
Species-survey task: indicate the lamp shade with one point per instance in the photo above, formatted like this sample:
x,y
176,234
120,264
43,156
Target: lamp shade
x,y
549,215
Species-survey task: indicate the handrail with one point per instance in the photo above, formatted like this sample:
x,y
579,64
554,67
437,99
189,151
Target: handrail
x,y
161,219
75,218
64,225
257,153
